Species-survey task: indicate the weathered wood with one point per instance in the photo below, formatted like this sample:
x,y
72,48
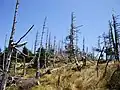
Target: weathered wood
x,y
46,46
41,42
116,37
25,34
15,64
101,53
4,52
10,50
36,41
54,46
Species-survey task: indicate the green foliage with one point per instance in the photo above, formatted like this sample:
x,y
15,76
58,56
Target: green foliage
x,y
42,57
49,54
25,50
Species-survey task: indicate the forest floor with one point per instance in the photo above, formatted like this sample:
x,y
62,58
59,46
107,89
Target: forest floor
x,y
64,78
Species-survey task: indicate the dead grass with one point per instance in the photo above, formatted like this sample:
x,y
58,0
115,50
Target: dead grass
x,y
66,79
86,79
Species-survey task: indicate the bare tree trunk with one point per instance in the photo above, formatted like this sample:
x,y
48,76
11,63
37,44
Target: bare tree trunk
x,y
76,50
10,50
15,64
4,52
110,46
46,49
24,67
49,42
99,60
72,38
93,54
11,46
105,45
54,46
38,60
36,41
116,37
84,57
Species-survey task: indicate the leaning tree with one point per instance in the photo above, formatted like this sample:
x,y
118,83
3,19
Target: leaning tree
x,y
11,47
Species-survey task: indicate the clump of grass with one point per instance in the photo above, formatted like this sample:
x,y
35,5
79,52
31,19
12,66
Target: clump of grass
x,y
67,79
13,87
30,72
41,87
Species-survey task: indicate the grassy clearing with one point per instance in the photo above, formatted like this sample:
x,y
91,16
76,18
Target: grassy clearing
x,y
66,79
86,79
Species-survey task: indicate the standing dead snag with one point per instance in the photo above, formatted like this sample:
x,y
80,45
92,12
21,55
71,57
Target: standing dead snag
x,y
109,51
24,67
49,42
101,55
10,50
70,47
84,54
115,25
15,63
41,42
4,52
46,45
54,47
36,41
49,46
99,47
113,43
71,38
77,40
105,45
11,46
93,54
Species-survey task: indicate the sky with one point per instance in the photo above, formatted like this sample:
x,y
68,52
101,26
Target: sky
x,y
92,14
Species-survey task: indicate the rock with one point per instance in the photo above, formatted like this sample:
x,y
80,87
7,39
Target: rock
x,y
114,83
26,84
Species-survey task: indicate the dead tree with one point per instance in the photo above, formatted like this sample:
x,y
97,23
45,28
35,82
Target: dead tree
x,y
77,40
15,63
101,55
112,36
105,45
24,67
84,54
49,42
36,42
99,47
109,51
70,47
46,46
115,25
4,52
71,38
12,45
49,47
83,50
10,50
41,42
59,47
54,47
93,54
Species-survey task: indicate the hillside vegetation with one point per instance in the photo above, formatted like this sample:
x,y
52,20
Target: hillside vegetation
x,y
67,78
